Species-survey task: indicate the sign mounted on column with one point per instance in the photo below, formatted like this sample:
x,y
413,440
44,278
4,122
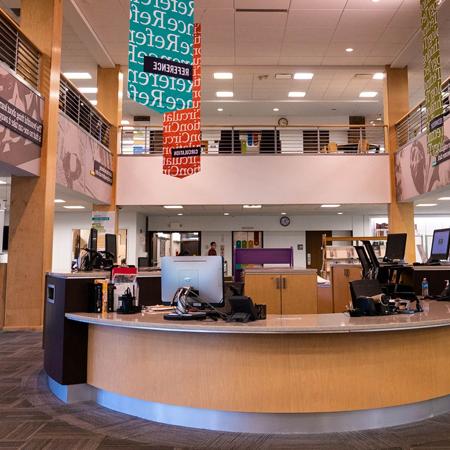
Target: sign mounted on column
x,y
160,54
432,77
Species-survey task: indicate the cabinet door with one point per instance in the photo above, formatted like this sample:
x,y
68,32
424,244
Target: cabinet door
x,y
340,279
264,289
299,294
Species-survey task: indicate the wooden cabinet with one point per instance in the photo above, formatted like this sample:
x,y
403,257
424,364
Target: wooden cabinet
x,y
289,292
341,275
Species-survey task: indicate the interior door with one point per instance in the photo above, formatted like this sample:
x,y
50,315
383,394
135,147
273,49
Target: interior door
x,y
314,249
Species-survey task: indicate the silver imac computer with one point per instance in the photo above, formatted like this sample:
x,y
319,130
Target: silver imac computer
x,y
202,273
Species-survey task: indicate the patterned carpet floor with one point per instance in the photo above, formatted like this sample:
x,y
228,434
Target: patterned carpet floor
x,y
32,418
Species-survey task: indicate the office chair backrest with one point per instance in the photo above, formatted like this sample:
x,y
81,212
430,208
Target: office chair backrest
x,y
364,288
371,254
364,259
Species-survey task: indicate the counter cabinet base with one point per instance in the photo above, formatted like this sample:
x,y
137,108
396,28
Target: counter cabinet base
x,y
268,423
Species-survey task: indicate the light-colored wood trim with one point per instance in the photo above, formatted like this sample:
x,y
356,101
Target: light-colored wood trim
x,y
3,270
271,373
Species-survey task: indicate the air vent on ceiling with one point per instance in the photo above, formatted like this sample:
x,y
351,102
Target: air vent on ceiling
x,y
362,76
253,10
141,118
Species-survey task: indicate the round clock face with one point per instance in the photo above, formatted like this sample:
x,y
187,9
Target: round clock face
x,y
285,221
283,122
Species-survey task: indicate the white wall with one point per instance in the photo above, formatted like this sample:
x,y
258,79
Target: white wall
x,y
267,179
65,222
134,223
219,228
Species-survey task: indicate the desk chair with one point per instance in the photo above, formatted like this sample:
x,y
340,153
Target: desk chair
x,y
364,288
364,260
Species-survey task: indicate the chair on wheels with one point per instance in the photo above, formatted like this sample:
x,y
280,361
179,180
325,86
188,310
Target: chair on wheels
x,y
364,288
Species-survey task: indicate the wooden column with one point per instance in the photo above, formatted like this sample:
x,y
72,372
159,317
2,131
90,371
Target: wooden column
x,y
109,103
32,198
396,105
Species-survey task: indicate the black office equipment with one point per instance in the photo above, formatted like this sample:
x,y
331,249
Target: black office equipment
x,y
373,258
395,247
364,288
242,309
364,259
111,246
440,246
93,239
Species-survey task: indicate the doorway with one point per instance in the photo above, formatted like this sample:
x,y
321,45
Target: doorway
x,y
314,249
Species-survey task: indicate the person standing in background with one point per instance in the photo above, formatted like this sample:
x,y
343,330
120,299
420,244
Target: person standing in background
x,y
212,249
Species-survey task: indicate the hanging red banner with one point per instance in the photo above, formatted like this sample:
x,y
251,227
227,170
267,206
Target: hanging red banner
x,y
182,137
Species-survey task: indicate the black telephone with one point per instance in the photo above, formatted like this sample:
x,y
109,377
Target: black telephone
x,y
243,310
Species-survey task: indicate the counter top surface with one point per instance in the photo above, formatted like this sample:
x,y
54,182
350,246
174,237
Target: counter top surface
x,y
436,314
281,270
98,274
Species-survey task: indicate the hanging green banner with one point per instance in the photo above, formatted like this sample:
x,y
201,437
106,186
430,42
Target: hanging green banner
x,y
160,54
432,77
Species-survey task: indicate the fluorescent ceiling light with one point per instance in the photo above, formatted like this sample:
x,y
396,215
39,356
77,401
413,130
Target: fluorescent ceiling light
x,y
74,207
220,109
276,109
59,200
303,76
424,205
252,206
78,75
296,94
173,207
340,214
444,199
368,94
283,76
223,76
349,50
3,182
124,122
378,75
179,214
94,102
330,206
88,90
226,214
224,94
284,214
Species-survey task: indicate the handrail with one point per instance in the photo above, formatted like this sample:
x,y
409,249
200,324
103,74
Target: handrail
x,y
414,122
265,139
77,107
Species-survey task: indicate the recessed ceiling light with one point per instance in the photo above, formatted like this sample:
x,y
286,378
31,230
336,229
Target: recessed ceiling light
x,y
78,75
284,214
330,206
3,182
220,109
444,199
59,200
368,94
93,102
424,205
276,109
349,50
283,76
252,206
179,214
124,122
88,90
173,207
378,75
303,76
379,118
74,207
340,214
223,76
375,1
296,94
226,214
222,94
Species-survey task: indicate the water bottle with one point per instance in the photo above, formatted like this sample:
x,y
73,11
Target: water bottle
x,y
424,288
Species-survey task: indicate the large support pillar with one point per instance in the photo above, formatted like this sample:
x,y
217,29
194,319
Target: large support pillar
x,y
109,103
32,198
396,105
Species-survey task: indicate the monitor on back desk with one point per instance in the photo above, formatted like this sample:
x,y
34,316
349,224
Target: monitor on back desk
x,y
395,247
440,245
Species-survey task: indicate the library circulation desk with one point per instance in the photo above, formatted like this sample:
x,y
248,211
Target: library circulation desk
x,y
296,374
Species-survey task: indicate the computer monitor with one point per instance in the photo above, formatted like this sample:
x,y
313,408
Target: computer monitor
x,y
111,245
440,245
364,259
202,273
395,247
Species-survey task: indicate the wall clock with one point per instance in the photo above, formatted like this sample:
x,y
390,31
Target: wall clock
x,y
285,221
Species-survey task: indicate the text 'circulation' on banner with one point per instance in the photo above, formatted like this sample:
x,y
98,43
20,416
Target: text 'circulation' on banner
x,y
182,129
432,76
160,54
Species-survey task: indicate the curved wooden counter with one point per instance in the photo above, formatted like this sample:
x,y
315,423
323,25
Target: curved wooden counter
x,y
282,365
